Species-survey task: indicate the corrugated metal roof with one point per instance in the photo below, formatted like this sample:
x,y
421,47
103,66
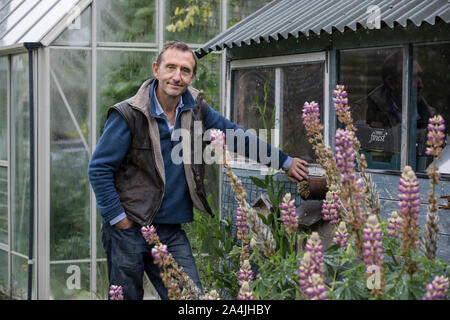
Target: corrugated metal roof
x,y
30,20
281,19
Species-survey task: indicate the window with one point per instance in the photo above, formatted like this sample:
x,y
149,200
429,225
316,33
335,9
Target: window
x,y
281,88
373,80
430,95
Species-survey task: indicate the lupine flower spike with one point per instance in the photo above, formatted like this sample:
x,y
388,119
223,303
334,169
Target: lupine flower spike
x,y
409,207
331,208
394,224
437,289
373,251
265,241
436,135
341,235
289,214
115,292
312,269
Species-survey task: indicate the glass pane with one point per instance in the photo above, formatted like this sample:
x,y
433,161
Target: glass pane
x,y
126,21
21,153
70,108
4,205
253,88
19,277
78,33
70,281
4,288
192,21
373,80
239,9
3,108
431,70
208,79
119,76
300,84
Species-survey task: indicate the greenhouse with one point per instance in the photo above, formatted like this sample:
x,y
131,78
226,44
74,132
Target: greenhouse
x,y
64,63
70,60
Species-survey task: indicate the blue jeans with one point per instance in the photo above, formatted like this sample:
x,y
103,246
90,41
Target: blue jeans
x,y
128,255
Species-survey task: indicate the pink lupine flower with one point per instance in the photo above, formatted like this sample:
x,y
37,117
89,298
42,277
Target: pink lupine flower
x,y
245,293
217,139
437,289
314,246
345,158
342,107
245,273
341,235
372,242
150,235
331,207
311,283
161,255
311,117
436,135
409,208
115,292
394,224
289,214
242,225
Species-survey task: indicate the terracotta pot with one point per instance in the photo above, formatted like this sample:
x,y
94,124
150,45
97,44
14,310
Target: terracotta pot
x,y
315,188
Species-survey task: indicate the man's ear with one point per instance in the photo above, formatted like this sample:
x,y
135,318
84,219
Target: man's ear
x,y
155,69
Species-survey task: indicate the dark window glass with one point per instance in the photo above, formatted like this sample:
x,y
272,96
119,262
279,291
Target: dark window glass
x,y
373,81
300,84
430,96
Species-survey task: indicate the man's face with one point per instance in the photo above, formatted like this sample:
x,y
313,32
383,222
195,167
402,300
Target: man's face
x,y
175,72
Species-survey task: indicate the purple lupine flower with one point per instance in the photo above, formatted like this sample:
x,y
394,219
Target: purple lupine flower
x,y
311,283
437,289
314,247
245,274
161,255
311,117
150,235
372,242
331,207
436,135
409,208
341,235
394,224
115,292
345,158
245,293
340,99
242,225
288,213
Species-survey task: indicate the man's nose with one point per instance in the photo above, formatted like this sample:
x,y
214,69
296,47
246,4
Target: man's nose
x,y
177,75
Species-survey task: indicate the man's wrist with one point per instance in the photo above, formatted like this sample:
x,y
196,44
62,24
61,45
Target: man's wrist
x,y
287,164
117,219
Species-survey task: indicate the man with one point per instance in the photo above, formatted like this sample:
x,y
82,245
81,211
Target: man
x,y
137,183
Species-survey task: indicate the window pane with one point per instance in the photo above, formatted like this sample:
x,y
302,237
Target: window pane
x,y
21,153
70,147
3,108
4,205
4,271
431,96
373,79
119,77
208,79
78,33
240,9
19,278
70,281
253,88
126,21
300,84
192,21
